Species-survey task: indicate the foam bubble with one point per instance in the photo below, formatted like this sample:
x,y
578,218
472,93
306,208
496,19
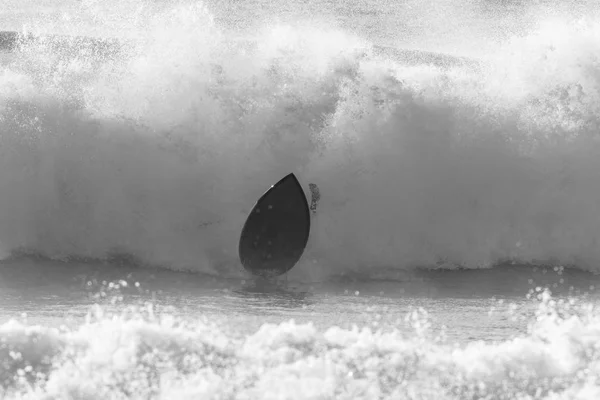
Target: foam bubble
x,y
160,149
141,354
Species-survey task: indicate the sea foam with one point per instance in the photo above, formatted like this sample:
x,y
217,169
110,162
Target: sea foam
x,y
144,354
160,148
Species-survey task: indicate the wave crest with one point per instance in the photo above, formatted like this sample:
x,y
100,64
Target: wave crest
x,y
161,149
158,356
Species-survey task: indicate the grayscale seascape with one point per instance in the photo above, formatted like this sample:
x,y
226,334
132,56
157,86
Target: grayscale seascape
x,y
455,250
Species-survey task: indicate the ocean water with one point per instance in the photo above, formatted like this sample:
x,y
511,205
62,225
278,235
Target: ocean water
x,y
454,253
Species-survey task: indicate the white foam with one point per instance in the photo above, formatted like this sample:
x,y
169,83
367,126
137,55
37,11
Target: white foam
x,y
162,151
165,357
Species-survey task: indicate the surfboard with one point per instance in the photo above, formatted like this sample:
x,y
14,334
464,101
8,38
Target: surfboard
x,y
276,231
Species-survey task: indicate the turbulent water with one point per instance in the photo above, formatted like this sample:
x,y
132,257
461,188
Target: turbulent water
x,y
443,136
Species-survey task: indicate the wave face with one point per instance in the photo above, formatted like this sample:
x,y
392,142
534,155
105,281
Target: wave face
x,y
143,355
160,148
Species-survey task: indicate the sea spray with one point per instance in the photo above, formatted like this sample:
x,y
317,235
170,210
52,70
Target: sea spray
x,y
160,150
143,352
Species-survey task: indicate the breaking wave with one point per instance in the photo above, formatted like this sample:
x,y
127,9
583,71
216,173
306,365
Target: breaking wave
x,y
159,146
143,354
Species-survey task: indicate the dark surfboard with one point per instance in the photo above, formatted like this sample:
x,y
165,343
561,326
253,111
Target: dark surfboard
x,y
276,231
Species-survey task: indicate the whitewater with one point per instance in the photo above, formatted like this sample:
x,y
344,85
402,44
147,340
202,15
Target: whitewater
x,y
454,253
